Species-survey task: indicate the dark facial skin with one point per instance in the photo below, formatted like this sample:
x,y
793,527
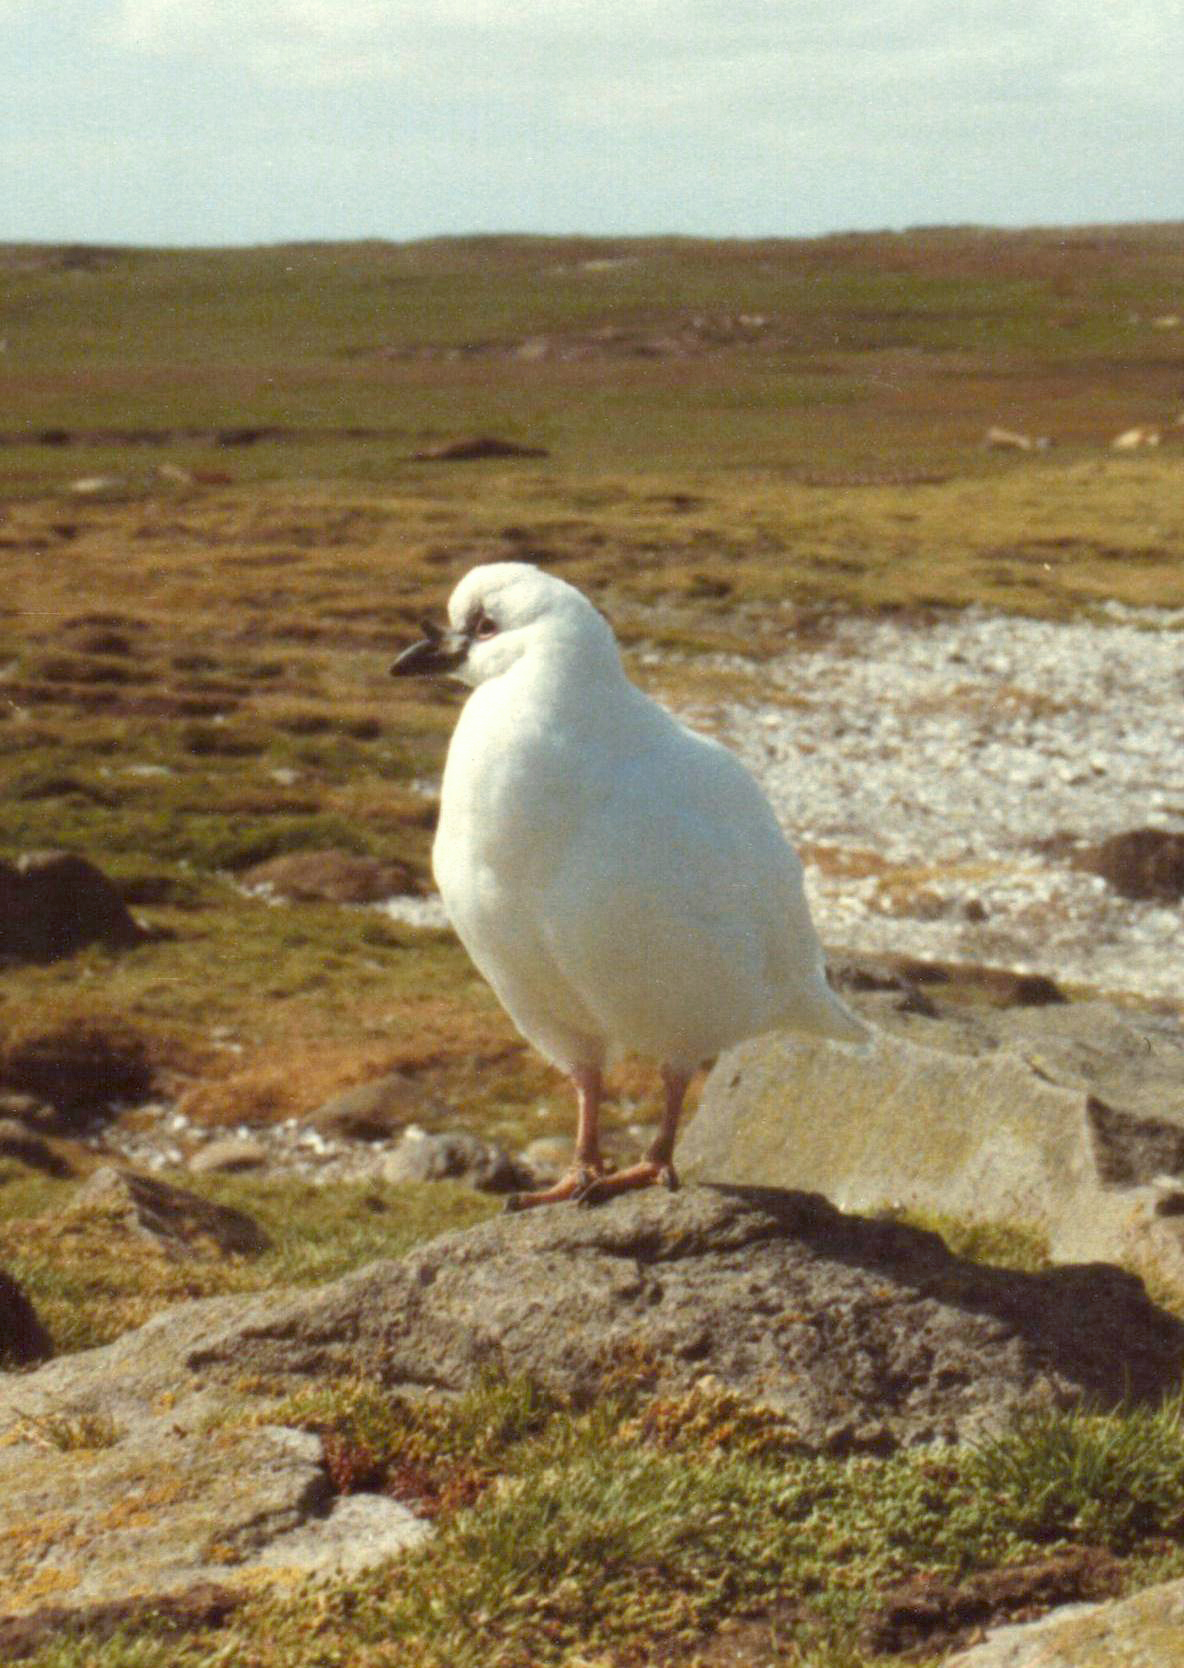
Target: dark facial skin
x,y
442,651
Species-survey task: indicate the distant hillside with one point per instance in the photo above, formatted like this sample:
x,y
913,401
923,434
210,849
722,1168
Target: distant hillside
x,y
609,349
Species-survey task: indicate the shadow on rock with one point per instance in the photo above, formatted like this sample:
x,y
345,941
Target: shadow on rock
x,y
1094,1320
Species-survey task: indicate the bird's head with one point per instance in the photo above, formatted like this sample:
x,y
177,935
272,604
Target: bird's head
x,y
500,613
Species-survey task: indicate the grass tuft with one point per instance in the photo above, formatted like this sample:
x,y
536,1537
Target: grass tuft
x,y
1110,1479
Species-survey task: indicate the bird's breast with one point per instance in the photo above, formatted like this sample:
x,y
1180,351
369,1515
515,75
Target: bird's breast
x,y
515,789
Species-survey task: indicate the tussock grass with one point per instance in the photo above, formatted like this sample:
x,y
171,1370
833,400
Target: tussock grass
x,y
1111,1479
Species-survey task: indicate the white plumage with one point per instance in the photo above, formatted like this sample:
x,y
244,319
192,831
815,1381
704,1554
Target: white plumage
x,y
621,882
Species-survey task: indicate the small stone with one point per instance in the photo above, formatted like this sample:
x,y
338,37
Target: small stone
x,y
453,1155
335,876
179,1221
546,1158
361,1530
1143,863
229,1156
372,1111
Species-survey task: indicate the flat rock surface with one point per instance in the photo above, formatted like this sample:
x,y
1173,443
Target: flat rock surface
x,y
1145,1631
1068,1117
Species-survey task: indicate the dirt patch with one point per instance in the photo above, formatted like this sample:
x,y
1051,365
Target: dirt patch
x,y
198,1609
919,1621
926,1616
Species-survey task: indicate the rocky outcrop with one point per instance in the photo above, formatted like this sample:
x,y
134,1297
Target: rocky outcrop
x,y
1066,1117
149,1465
52,903
180,1223
1147,1628
168,1503
858,1330
155,1462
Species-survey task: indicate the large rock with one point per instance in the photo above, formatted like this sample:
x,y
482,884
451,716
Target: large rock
x,y
841,1321
864,1333
1067,1117
1145,1631
52,903
164,1506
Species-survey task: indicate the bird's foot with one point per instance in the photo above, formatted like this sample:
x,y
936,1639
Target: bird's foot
x,y
649,1173
571,1186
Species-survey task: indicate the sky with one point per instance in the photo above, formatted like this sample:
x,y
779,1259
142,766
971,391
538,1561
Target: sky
x,y
212,122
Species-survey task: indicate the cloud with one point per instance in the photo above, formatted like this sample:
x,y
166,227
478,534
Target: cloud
x,y
625,63
730,116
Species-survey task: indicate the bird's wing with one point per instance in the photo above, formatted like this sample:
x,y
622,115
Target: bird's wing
x,y
678,912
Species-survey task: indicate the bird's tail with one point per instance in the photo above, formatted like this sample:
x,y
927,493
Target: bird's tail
x,y
826,1015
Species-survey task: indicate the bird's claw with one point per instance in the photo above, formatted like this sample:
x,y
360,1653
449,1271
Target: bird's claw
x,y
650,1173
578,1180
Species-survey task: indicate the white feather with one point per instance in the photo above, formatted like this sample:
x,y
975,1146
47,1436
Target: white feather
x,y
621,882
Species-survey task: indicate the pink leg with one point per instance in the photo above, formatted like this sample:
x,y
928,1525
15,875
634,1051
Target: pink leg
x,y
658,1164
587,1164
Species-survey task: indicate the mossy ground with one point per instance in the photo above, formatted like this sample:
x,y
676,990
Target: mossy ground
x,y
193,677
688,1529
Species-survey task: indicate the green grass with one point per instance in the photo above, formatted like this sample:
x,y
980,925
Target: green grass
x,y
1002,1244
90,1279
333,336
629,1531
1113,1480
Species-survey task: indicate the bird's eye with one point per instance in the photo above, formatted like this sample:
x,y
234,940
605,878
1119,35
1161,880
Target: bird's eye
x,y
483,627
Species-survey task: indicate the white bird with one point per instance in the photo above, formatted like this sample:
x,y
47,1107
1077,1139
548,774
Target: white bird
x,y
620,881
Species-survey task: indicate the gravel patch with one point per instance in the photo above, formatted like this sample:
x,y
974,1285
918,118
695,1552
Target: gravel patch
x,y
926,768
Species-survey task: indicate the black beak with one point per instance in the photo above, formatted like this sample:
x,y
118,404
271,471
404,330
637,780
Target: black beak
x,y
440,651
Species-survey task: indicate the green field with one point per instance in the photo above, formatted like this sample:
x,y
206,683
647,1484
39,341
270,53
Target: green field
x,y
642,355
738,437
